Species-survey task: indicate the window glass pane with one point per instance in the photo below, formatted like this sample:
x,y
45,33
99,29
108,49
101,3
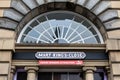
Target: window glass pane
x,y
46,25
59,16
61,27
33,24
86,34
99,76
85,23
81,29
34,33
27,30
40,28
90,40
78,19
97,38
60,76
44,76
75,76
42,19
29,40
48,35
44,39
23,38
21,76
93,31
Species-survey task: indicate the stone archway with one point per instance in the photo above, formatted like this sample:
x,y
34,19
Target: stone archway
x,y
106,11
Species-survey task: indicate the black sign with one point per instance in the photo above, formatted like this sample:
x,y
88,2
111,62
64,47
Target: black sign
x,y
60,55
94,55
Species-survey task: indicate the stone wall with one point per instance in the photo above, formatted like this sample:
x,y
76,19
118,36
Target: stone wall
x,y
13,11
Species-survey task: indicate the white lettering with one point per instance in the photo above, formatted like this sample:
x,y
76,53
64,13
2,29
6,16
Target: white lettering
x,y
60,55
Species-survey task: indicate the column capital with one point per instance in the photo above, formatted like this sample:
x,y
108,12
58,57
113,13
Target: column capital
x,y
31,69
13,68
107,69
86,68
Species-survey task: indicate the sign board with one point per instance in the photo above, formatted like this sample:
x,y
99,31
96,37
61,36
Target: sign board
x,y
60,55
60,62
87,55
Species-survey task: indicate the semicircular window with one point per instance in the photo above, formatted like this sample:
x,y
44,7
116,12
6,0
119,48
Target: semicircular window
x,y
60,27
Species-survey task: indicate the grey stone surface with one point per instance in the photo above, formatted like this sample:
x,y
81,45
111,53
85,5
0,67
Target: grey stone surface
x,y
6,23
91,3
101,7
109,14
81,2
112,24
30,3
18,5
12,14
21,7
40,2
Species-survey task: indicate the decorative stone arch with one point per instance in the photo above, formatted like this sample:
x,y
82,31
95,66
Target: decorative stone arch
x,y
62,6
99,12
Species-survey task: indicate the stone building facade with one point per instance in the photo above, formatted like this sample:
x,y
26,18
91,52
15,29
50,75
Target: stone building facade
x,y
17,51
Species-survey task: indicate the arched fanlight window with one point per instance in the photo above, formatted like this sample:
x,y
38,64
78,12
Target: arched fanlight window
x,y
60,27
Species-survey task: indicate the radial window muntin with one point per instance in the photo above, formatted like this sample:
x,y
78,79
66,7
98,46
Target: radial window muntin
x,y
60,27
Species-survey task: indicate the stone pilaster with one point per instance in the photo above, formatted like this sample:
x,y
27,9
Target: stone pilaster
x,y
113,48
115,64
12,73
7,42
31,73
108,73
89,72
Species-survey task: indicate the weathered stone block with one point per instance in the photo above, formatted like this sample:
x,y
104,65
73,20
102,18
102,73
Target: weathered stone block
x,y
116,77
115,34
3,78
5,3
115,56
112,44
5,56
4,68
1,12
115,4
116,68
6,33
7,44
